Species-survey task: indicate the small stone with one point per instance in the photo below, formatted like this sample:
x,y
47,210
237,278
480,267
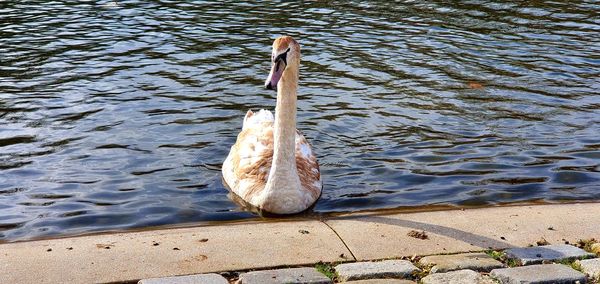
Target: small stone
x,y
281,276
381,281
542,242
473,261
211,278
304,232
539,274
457,277
532,255
372,270
591,267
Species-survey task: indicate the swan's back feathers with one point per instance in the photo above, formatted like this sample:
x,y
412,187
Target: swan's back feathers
x,y
253,119
247,167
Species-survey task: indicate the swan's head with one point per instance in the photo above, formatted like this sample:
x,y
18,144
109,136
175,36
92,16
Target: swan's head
x,y
286,56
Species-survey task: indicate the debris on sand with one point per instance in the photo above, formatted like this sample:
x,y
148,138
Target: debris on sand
x,y
418,235
542,242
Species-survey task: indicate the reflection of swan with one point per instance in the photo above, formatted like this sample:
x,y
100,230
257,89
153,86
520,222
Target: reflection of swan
x,y
271,165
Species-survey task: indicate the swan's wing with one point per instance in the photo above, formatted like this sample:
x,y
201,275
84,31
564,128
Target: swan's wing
x,y
308,167
247,167
257,119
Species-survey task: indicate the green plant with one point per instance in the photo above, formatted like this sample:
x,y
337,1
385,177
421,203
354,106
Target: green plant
x,y
511,262
423,271
327,269
572,263
497,255
586,244
501,256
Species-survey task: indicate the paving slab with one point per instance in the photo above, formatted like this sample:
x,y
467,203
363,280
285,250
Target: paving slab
x,y
210,278
132,256
285,276
375,269
381,281
473,261
591,267
532,255
378,236
128,257
457,277
539,274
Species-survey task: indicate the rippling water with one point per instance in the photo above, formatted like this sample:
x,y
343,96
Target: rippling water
x,y
119,114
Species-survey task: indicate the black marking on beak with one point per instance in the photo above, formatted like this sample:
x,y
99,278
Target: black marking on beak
x,y
282,56
269,86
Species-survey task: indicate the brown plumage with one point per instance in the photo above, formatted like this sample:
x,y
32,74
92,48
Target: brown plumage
x,y
271,165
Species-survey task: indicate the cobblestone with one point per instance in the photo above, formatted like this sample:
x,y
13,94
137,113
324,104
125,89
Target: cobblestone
x,y
532,255
187,279
457,277
538,274
591,267
381,281
287,276
379,269
473,261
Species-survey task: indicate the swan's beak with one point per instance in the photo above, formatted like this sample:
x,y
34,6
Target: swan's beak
x,y
276,72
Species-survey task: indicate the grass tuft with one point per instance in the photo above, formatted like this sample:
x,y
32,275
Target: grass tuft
x,y
327,269
572,263
586,244
423,271
501,256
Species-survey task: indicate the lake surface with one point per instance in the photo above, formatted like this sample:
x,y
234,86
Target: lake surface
x,y
117,115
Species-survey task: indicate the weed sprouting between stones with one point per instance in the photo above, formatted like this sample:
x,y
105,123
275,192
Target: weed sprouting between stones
x,y
586,244
501,256
572,263
424,271
327,269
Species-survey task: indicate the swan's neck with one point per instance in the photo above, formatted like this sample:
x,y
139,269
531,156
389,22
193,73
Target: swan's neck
x,y
283,175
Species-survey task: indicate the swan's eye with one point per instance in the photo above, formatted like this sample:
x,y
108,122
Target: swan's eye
x,y
282,56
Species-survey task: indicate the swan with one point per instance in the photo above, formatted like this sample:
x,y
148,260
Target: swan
x,y
271,165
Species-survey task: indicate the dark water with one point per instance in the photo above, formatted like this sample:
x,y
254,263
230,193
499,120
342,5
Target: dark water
x,y
118,114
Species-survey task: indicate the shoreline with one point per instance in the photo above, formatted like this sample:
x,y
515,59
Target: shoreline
x,y
318,216
244,246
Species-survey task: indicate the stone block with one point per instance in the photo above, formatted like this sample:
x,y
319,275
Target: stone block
x,y
532,255
285,276
538,274
457,277
381,281
591,267
211,278
473,261
379,269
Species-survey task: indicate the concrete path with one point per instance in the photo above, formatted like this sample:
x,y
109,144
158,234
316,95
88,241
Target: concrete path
x,y
258,245
371,236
